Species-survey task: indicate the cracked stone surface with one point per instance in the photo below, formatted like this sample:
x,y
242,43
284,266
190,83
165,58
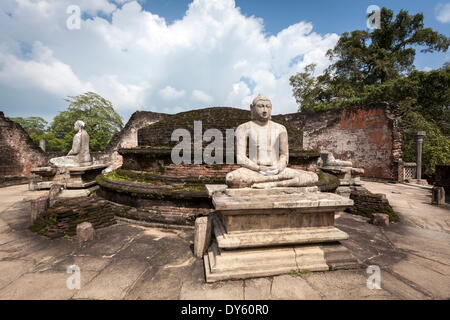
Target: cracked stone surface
x,y
134,262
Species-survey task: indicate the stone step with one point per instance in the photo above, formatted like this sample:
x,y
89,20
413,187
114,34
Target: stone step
x,y
275,237
263,262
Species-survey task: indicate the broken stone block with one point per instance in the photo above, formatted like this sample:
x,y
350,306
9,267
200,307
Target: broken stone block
x,y
343,191
38,207
85,232
380,219
202,236
438,195
54,192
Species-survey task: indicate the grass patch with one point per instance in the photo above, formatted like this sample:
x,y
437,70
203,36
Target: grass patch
x,y
299,272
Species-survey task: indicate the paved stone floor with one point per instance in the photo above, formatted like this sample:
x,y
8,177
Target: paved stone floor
x,y
133,262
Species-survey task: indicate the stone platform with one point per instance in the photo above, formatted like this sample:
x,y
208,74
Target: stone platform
x,y
70,178
275,231
243,264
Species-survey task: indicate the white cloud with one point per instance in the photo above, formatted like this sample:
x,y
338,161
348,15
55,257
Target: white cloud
x,y
43,71
169,93
214,55
443,12
201,96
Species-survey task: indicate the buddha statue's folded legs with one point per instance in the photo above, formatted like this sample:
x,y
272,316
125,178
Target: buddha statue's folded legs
x,y
245,178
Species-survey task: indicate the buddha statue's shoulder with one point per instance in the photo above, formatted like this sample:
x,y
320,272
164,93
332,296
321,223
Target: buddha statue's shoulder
x,y
84,133
245,126
277,126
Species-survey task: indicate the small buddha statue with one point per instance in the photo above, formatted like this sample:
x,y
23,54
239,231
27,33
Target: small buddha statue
x,y
79,155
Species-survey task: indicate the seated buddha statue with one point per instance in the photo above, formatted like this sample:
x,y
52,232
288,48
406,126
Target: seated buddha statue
x,y
263,153
79,155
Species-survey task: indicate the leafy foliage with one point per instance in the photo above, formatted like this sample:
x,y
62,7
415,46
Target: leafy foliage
x,y
375,66
36,127
101,120
436,147
364,57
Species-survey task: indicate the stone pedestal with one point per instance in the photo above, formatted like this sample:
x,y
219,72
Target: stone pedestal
x,y
275,231
70,178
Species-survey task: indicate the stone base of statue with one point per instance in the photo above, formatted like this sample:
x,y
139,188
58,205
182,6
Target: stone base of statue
x,y
69,177
265,232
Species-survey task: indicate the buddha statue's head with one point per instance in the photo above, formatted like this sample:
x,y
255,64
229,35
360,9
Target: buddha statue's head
x,y
78,125
261,108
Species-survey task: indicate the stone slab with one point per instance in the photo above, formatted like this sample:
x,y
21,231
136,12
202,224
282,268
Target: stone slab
x,y
223,202
70,177
202,236
250,263
75,193
213,188
250,192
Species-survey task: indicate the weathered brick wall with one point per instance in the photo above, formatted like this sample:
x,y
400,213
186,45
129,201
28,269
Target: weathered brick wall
x,y
369,136
18,154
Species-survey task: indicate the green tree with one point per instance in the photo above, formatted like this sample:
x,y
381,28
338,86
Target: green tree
x,y
102,121
36,127
366,58
369,57
375,66
436,147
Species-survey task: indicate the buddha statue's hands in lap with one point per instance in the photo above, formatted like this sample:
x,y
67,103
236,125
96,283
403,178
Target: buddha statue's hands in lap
x,y
268,153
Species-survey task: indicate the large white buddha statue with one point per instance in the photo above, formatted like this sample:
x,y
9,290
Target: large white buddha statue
x,y
262,151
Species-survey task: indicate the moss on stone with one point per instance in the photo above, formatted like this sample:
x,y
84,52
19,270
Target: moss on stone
x,y
327,182
157,190
150,177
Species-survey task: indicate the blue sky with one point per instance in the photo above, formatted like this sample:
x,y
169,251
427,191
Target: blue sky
x,y
176,55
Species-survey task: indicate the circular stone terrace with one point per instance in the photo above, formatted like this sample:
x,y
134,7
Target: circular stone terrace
x,y
163,192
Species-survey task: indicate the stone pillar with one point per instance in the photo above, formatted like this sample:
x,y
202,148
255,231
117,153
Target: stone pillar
x,y
42,144
419,137
39,207
438,195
